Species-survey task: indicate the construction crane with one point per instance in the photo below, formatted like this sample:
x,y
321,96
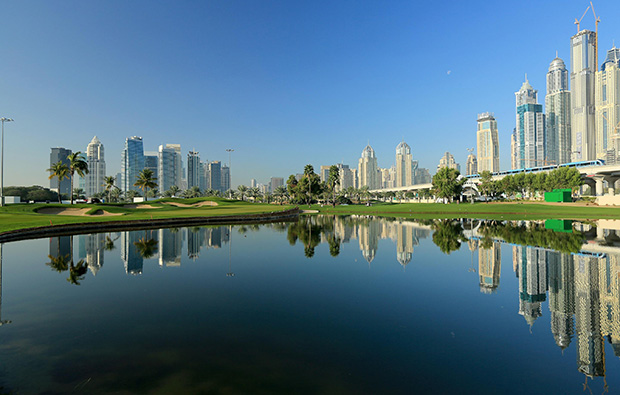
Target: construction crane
x,y
596,21
616,128
577,22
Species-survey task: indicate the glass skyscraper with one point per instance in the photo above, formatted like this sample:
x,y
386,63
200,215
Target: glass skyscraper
x,y
530,138
132,163
93,181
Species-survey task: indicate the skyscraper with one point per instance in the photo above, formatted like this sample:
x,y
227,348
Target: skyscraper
x,y
215,172
225,178
60,155
488,143
368,174
96,167
170,167
583,69
558,107
448,161
530,128
514,150
132,163
608,107
404,165
151,162
194,170
275,182
472,164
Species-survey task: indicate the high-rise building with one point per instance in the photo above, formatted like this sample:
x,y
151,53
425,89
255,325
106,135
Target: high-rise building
x,y
472,164
151,162
194,170
60,155
608,108
324,173
368,174
488,143
225,178
582,76
170,167
530,128
489,267
215,172
423,176
448,161
404,165
253,183
95,158
514,150
347,178
558,110
132,163
275,182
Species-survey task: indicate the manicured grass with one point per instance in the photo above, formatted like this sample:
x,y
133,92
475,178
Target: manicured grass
x,y
20,216
512,211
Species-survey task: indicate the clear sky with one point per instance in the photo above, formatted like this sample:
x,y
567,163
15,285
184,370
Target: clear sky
x,y
284,83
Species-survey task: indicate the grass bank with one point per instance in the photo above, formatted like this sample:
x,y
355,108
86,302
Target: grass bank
x,y
22,216
495,210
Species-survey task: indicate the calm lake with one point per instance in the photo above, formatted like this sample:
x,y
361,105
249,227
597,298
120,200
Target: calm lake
x,y
341,305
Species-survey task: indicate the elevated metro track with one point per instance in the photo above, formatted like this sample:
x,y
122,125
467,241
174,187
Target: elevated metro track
x,y
595,174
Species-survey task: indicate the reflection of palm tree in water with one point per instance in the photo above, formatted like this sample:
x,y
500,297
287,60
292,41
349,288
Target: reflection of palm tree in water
x,y
147,247
108,244
63,263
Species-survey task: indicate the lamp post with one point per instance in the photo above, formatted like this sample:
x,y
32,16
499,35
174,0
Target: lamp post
x,y
230,151
3,119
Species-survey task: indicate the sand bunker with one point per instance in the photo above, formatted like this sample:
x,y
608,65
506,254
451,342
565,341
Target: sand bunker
x,y
200,204
74,211
139,206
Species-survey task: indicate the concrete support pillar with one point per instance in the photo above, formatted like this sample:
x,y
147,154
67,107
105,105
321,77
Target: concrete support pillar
x,y
611,182
599,186
600,233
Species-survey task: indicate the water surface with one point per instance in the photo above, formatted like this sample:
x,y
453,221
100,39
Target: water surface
x,y
324,305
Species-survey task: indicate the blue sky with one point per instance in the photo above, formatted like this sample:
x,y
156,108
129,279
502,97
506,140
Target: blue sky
x,y
284,83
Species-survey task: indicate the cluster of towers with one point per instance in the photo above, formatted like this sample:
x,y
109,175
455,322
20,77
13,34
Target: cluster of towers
x,y
166,164
404,172
581,124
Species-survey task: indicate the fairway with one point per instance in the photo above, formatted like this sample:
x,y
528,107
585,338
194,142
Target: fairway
x,y
21,216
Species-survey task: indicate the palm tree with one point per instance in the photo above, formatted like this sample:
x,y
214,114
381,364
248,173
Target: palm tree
x,y
146,247
174,190
242,190
333,180
108,183
77,164
61,171
145,181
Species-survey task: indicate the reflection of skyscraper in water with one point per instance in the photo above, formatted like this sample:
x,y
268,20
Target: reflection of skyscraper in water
x,y
214,237
532,273
369,239
170,246
609,277
91,250
60,246
590,351
489,266
129,252
561,297
342,229
195,239
404,244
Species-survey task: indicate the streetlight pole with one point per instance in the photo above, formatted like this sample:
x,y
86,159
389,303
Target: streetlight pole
x,y
3,119
230,151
